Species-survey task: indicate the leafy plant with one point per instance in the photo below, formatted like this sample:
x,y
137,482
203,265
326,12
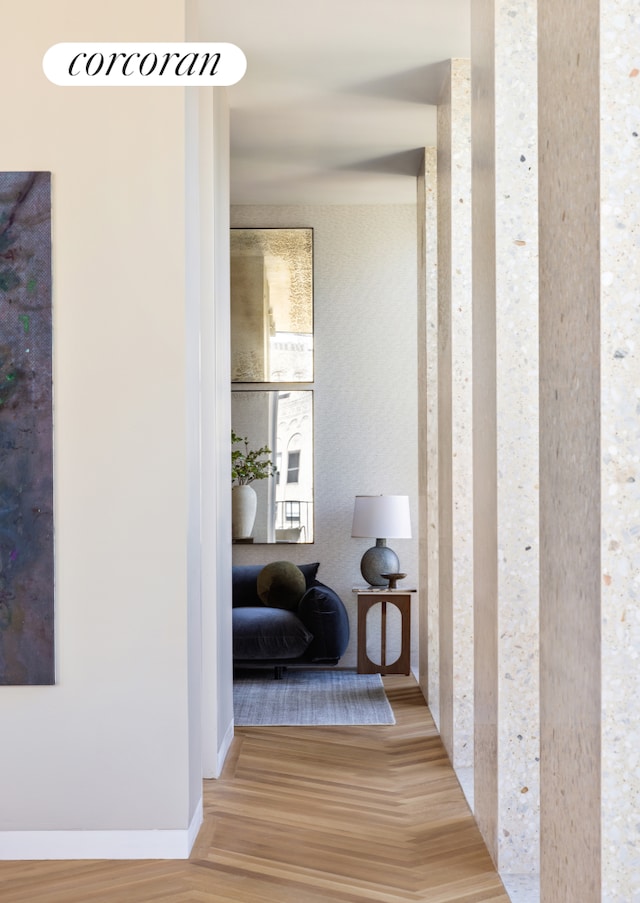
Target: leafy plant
x,y
247,466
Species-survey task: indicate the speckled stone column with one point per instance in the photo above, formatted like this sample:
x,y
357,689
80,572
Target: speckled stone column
x,y
455,481
570,516
429,650
620,446
589,69
505,450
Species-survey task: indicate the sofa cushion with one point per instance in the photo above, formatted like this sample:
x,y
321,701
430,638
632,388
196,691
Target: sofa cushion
x,y
323,612
245,578
268,633
281,584
309,571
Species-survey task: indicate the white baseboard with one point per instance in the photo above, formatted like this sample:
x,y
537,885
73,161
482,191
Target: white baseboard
x,y
154,844
194,827
227,740
213,762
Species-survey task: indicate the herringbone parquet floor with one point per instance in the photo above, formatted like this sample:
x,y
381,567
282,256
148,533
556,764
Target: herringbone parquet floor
x,y
307,815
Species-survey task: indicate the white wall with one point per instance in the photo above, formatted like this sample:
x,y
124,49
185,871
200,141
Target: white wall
x,y
219,452
107,748
365,390
209,365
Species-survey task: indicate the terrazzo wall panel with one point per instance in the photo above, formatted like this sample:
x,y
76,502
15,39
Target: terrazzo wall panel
x,y
570,409
445,490
365,388
455,484
620,463
423,576
506,472
486,668
428,429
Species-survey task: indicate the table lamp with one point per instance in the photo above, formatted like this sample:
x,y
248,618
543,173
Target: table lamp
x,y
381,517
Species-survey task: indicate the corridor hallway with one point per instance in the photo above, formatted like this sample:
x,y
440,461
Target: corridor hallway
x,y
307,815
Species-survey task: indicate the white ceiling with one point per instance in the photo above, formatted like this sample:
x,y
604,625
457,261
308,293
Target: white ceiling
x,y
338,97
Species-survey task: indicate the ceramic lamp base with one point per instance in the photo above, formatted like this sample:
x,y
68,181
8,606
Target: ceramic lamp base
x,y
379,560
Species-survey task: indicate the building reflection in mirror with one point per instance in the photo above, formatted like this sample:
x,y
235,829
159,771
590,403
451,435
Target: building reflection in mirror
x,y
271,305
283,421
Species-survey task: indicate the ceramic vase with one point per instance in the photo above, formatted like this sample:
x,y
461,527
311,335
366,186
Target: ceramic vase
x,y
244,503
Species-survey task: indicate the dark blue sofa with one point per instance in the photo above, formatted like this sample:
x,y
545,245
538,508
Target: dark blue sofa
x,y
315,633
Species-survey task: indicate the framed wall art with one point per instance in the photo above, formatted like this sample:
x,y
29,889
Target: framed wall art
x,y
26,440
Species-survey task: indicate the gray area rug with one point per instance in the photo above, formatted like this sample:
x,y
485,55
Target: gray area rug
x,y
310,697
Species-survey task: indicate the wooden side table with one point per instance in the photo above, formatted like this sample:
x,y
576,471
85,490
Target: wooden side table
x,y
369,597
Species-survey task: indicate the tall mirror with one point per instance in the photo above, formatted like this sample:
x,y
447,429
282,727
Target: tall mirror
x,y
271,305
281,421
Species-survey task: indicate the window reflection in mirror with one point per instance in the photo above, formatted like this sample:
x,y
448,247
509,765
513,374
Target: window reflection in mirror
x,y
283,421
272,305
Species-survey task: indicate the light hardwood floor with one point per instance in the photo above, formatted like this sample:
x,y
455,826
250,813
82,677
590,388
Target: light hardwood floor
x,y
307,815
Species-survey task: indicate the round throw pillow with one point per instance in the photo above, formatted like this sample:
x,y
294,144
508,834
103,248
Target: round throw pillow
x,y
281,584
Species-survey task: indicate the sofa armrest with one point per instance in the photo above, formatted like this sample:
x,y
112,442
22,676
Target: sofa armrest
x,y
323,613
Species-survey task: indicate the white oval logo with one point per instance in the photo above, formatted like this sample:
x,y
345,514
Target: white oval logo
x,y
160,65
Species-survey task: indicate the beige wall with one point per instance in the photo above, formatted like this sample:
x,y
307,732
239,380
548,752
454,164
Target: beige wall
x,y
107,748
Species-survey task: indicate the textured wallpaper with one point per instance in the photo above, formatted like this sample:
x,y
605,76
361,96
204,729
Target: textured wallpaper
x,y
365,390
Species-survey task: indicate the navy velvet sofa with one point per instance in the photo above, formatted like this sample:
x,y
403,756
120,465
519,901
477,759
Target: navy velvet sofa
x,y
315,633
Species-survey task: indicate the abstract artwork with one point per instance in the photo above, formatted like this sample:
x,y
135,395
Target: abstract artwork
x,y
26,436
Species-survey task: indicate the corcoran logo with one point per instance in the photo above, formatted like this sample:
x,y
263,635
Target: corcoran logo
x,y
154,64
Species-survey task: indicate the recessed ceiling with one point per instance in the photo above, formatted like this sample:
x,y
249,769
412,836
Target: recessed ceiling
x,y
339,97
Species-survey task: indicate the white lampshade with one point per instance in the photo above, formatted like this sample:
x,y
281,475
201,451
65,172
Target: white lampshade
x,y
382,516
